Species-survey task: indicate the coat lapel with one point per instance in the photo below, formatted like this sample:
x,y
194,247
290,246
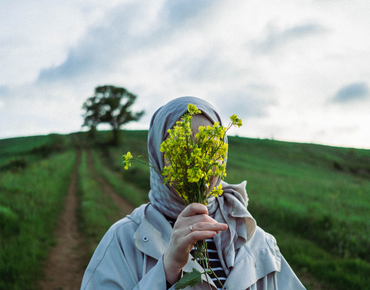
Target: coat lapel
x,y
151,239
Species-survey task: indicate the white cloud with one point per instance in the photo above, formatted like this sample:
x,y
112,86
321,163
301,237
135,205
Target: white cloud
x,y
277,65
275,38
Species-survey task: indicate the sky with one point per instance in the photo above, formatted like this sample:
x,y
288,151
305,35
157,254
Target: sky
x,y
292,70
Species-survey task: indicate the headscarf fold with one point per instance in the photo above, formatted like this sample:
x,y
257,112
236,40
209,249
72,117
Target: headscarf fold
x,y
229,208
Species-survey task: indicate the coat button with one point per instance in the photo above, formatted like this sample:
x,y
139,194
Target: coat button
x,y
145,239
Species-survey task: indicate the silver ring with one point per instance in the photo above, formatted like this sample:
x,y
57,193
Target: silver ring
x,y
191,228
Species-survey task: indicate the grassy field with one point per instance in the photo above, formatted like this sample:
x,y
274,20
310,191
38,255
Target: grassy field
x,y
16,153
314,199
30,199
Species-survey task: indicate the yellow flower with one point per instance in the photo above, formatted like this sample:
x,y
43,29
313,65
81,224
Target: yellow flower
x,y
217,191
192,162
236,121
127,159
192,109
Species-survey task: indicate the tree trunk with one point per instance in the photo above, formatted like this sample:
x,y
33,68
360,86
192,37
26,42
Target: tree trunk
x,y
92,132
115,140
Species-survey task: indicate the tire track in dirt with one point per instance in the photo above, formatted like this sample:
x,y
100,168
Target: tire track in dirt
x,y
123,206
65,266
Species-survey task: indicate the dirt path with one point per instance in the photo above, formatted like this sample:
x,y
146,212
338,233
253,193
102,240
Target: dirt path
x,y
66,264
64,267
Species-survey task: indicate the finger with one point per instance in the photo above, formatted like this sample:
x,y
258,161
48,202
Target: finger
x,y
193,209
205,226
186,221
203,231
197,231
195,236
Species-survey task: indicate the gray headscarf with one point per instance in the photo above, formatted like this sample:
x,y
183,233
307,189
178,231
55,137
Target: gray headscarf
x,y
230,207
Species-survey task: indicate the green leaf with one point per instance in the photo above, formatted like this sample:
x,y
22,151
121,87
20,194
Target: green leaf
x,y
189,279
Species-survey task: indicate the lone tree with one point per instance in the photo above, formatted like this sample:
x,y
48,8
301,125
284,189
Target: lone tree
x,y
110,105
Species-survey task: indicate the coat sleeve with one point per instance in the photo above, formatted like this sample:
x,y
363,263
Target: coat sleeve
x,y
117,264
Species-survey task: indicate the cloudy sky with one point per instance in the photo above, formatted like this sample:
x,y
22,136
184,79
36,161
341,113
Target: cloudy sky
x,y
292,70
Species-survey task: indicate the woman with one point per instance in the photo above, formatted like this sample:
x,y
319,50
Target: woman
x,y
151,248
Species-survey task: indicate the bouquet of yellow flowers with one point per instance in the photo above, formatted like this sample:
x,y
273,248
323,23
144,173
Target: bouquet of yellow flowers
x,y
192,160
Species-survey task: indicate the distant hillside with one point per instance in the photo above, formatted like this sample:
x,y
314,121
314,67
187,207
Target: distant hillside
x,y
314,199
19,151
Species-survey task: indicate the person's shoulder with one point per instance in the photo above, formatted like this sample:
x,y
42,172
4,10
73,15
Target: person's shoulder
x,y
263,239
131,221
263,247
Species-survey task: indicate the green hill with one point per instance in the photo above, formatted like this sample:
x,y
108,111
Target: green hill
x,y
315,199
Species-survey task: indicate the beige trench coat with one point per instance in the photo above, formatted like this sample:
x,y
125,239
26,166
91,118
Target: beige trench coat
x,y
130,257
